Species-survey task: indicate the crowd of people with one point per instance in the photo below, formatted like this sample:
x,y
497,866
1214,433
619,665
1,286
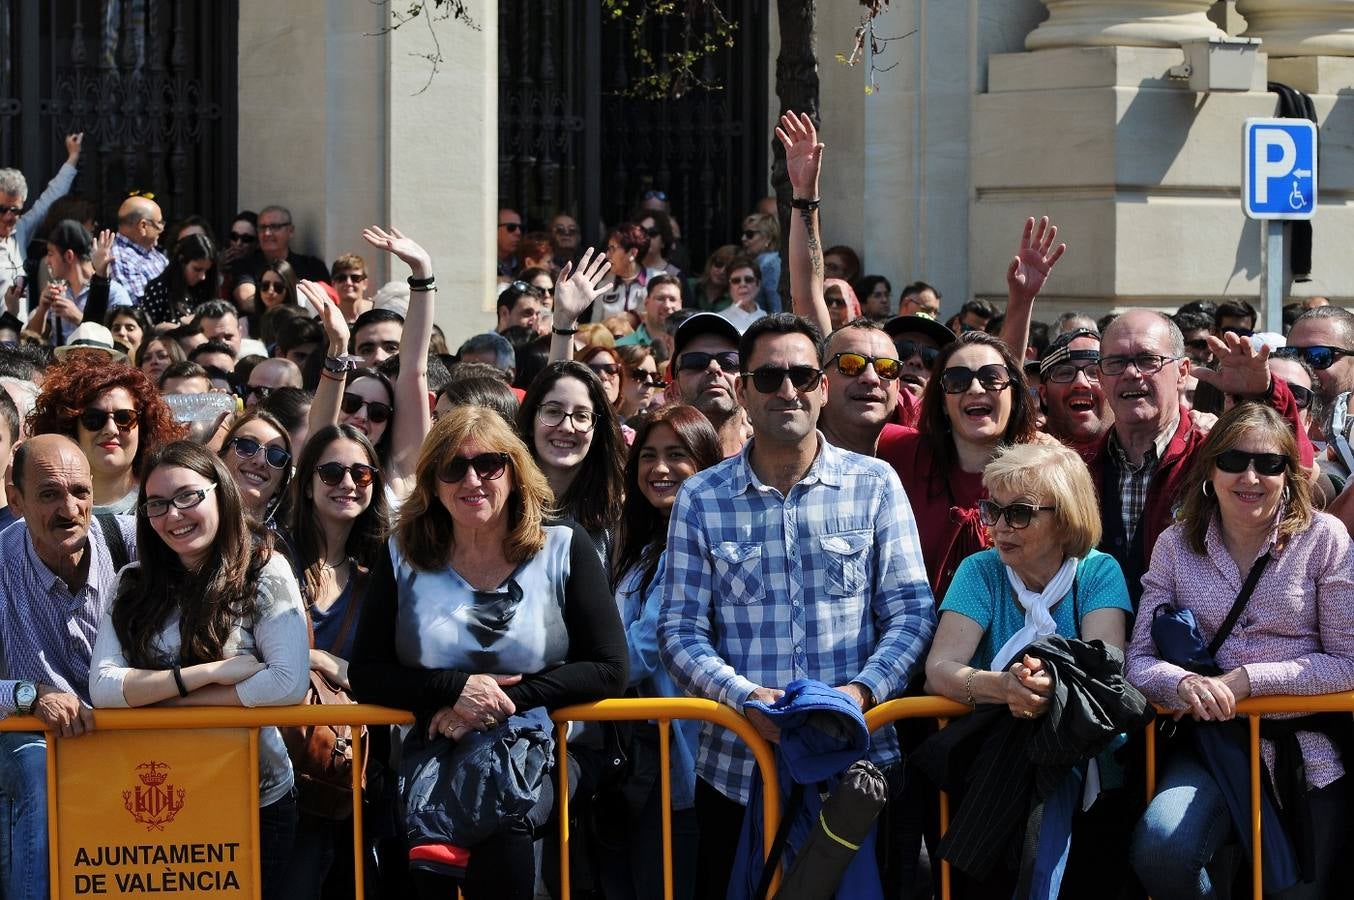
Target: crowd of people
x,y
234,473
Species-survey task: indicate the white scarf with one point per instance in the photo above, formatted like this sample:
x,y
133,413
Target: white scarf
x,y
1038,622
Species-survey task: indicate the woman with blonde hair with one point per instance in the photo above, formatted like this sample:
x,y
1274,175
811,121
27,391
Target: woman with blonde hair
x,y
480,618
1042,577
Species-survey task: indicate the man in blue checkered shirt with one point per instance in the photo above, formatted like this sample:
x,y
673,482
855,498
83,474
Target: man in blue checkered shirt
x,y
794,559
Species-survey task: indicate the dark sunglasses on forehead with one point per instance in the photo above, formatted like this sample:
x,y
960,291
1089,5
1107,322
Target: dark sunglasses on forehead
x,y
377,412
331,473
696,361
908,349
488,466
248,448
1237,461
853,364
95,419
768,379
1318,357
992,377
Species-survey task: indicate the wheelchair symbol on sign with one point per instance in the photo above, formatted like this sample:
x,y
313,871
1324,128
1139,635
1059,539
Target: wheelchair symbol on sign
x,y
1297,200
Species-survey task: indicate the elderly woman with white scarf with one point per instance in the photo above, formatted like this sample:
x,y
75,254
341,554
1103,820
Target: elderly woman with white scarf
x,y
1041,577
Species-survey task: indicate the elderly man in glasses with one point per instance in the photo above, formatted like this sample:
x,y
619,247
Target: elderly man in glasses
x,y
1141,463
58,576
17,226
793,559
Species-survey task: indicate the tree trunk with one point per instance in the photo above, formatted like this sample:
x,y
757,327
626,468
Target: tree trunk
x,y
796,89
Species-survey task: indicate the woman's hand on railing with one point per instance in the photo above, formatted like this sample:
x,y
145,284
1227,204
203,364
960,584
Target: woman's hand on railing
x,y
482,704
1208,699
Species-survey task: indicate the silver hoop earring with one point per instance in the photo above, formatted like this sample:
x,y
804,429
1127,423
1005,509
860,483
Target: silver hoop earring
x,y
1205,488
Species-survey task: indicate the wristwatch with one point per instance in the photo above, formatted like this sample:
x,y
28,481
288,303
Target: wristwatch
x,y
25,695
341,365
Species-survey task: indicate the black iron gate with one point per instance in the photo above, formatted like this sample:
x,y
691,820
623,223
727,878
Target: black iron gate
x,y
151,83
568,141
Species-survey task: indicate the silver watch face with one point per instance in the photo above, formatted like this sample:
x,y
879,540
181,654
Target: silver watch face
x,y
25,695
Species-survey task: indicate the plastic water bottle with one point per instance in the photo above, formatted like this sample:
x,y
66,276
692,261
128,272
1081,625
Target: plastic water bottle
x,y
206,407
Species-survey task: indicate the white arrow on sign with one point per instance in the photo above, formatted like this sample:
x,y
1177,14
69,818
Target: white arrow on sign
x,y
1302,173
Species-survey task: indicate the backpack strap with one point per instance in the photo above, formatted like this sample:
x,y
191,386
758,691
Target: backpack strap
x,y
113,540
1234,613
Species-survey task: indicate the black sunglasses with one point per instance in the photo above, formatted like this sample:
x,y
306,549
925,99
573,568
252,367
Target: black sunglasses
x,y
513,227
242,237
262,391
95,419
605,368
10,210
992,377
377,412
1017,515
248,448
331,473
1317,357
768,379
488,466
1302,396
1237,461
696,361
835,303
908,349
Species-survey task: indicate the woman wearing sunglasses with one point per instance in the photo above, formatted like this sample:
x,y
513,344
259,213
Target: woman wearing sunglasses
x,y
481,618
116,416
395,418
336,533
1041,577
745,281
1247,518
575,438
842,305
975,404
208,616
670,446
277,284
639,383
258,454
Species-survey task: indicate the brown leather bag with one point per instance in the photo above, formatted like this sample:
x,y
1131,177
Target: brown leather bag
x,y
322,755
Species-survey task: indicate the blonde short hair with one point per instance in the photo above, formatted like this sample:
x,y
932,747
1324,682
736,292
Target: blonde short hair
x,y
1057,475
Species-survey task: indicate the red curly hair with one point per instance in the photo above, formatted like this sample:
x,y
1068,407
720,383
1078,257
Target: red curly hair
x,y
70,387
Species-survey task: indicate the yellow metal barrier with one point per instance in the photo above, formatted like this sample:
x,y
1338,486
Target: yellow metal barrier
x,y
180,718
941,708
1253,708
662,710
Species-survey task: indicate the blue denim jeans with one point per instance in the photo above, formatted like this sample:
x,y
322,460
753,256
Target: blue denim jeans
x,y
1187,821
23,815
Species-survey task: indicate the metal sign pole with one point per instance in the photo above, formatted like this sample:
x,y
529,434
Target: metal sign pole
x,y
1272,274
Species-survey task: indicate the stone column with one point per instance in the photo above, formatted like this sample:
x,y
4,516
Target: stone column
x,y
1301,27
1124,23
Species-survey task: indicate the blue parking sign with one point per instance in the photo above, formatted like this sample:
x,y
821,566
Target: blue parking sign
x,y
1279,169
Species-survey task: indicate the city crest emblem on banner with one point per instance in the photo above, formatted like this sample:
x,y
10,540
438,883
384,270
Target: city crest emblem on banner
x,y
155,802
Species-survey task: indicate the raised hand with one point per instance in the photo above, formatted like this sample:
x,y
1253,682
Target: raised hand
x,y
1038,255
407,249
1239,368
74,142
331,317
803,153
576,289
103,252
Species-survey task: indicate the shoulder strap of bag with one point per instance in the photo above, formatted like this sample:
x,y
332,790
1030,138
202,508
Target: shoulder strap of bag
x,y
787,818
112,539
356,583
1241,599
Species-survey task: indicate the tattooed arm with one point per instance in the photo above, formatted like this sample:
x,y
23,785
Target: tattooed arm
x,y
803,154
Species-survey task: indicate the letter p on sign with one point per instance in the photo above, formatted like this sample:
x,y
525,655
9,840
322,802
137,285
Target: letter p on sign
x,y
1279,168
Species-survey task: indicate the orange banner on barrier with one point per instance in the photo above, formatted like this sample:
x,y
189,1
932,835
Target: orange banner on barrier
x,y
157,812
